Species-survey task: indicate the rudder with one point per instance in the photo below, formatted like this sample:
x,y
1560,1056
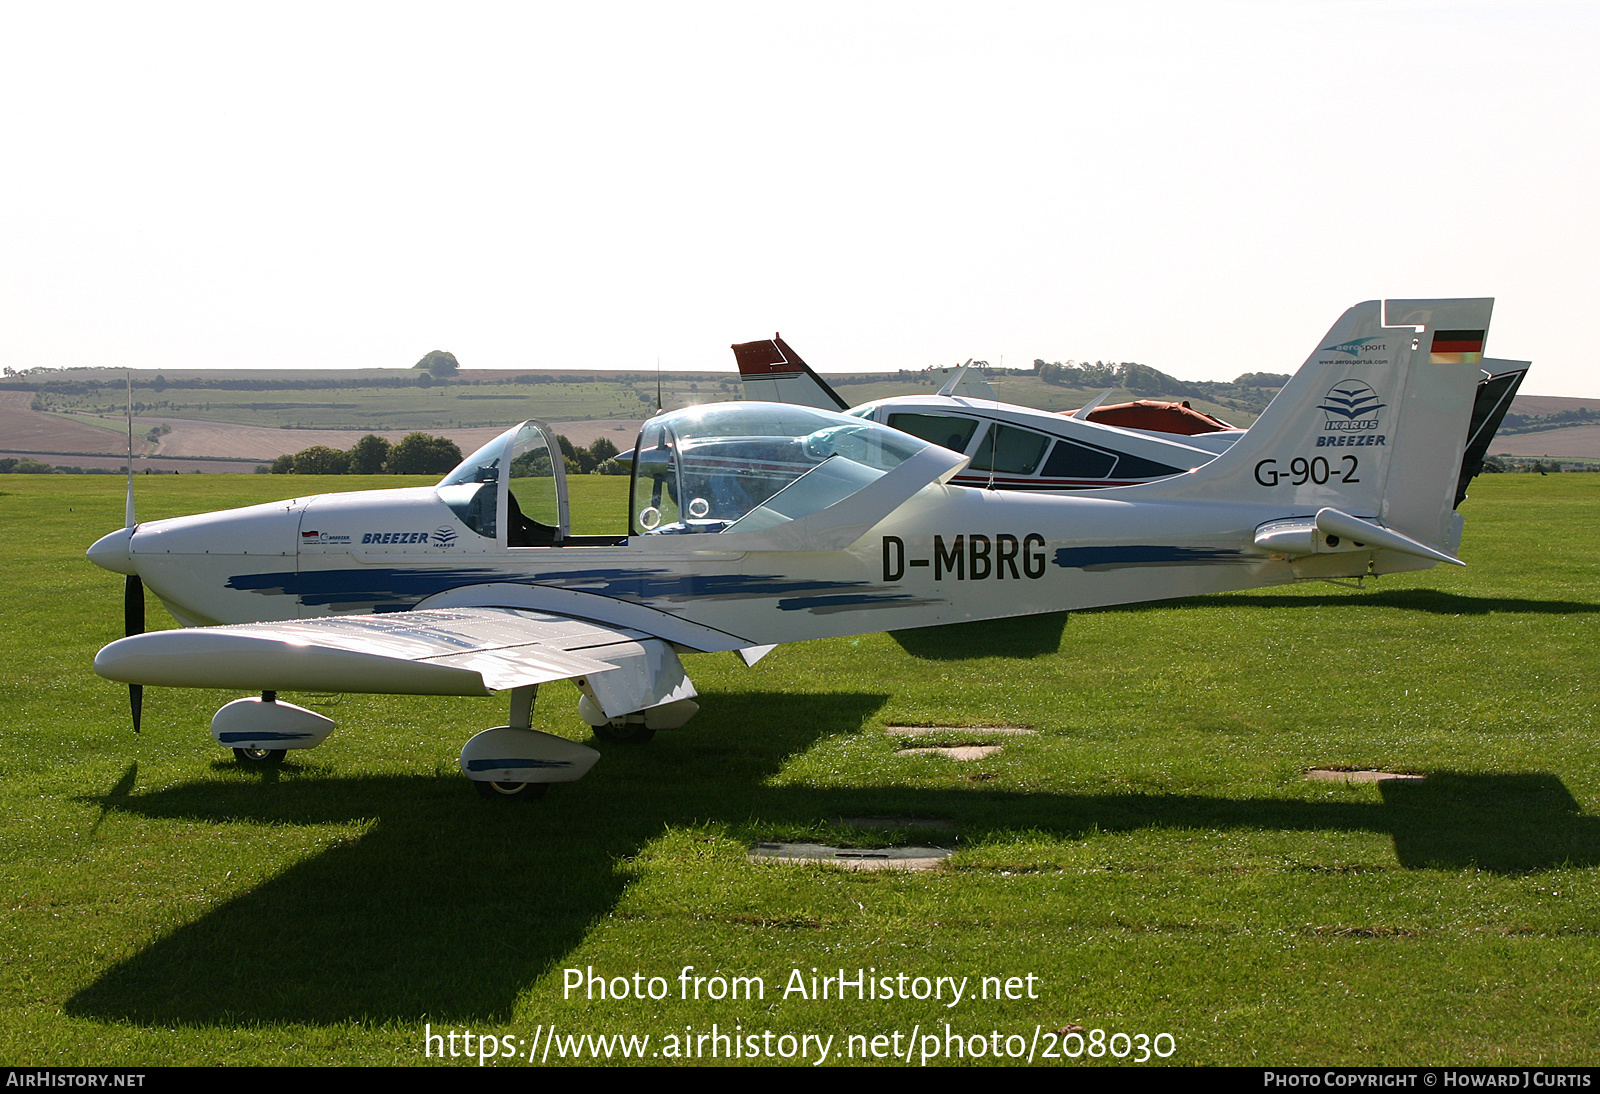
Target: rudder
x,y
772,372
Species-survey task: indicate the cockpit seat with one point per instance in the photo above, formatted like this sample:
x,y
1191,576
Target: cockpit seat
x,y
523,531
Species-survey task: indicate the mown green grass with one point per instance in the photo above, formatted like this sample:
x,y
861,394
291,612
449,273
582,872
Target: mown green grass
x,y
1154,854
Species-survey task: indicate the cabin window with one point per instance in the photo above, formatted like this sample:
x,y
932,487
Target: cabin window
x,y
942,429
1069,460
1009,450
1137,467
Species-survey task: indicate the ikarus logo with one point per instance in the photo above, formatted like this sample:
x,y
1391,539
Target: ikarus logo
x,y
1351,406
443,537
1355,347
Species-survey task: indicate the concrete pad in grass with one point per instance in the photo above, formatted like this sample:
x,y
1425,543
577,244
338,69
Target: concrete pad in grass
x,y
882,858
1333,775
966,731
954,752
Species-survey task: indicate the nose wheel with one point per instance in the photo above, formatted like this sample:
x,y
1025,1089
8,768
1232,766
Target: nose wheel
x,y
500,791
260,757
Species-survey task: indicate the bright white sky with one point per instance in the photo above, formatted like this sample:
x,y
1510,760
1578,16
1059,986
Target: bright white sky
x,y
1202,187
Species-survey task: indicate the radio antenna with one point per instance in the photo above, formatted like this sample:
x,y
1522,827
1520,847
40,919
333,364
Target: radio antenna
x,y
994,438
127,509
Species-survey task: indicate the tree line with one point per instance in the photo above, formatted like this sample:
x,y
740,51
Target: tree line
x,y
425,454
1534,423
414,454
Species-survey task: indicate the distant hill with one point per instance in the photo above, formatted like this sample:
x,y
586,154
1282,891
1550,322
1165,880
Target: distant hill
x,y
382,399
213,417
1550,404
1549,425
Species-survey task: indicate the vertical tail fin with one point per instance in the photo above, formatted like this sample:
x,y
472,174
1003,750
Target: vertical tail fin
x,y
964,380
774,373
1375,423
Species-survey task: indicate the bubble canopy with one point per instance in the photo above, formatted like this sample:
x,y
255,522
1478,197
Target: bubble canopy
x,y
747,467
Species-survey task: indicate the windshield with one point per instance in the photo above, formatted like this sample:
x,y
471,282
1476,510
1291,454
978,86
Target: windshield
x,y
708,468
471,490
520,473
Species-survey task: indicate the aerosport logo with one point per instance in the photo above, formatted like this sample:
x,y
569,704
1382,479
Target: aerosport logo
x,y
1355,347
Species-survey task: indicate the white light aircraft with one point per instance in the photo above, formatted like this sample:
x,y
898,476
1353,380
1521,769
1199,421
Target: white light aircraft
x,y
753,524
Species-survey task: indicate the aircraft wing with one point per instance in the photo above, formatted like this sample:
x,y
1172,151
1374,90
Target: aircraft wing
x,y
439,651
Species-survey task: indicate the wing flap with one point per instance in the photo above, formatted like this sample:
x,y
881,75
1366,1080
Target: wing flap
x,y
652,677
519,666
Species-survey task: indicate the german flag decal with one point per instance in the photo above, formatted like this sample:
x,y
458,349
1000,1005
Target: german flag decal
x,y
1456,347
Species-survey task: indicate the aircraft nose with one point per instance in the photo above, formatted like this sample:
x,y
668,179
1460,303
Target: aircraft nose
x,y
114,552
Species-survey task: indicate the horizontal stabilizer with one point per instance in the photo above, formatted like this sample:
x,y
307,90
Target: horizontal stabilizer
x,y
1332,531
1334,523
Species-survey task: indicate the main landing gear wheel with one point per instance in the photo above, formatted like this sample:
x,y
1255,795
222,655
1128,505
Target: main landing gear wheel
x,y
628,733
260,757
525,791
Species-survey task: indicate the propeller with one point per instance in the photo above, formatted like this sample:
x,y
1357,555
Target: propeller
x,y
132,587
133,623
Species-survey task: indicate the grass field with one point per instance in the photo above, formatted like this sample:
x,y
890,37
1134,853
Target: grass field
x,y
1154,856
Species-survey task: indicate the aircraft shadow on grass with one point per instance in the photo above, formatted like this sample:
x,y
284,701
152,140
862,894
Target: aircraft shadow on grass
x,y
1040,635
1429,601
448,907
1019,639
